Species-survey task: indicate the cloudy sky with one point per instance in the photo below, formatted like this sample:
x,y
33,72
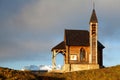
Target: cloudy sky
x,y
30,28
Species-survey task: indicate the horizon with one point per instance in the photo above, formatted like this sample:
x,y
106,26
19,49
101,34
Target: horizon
x,y
29,29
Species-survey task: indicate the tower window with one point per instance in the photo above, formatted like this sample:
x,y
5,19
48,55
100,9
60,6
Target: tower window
x,y
93,24
93,29
82,54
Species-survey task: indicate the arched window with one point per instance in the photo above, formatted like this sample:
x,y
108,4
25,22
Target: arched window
x,y
82,54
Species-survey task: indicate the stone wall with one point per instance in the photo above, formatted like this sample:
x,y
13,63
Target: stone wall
x,y
78,67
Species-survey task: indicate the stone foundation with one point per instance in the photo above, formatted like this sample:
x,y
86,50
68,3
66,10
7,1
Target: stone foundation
x,y
78,67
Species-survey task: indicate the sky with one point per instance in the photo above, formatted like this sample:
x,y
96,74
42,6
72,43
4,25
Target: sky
x,y
30,28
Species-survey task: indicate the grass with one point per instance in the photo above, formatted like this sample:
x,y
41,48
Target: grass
x,y
110,73
10,74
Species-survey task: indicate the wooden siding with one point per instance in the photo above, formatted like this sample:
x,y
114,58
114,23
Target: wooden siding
x,y
75,50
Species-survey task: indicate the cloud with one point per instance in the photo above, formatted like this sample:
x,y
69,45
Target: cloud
x,y
40,67
35,28
47,15
32,28
108,13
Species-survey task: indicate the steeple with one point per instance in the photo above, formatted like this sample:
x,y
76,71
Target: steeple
x,y
93,37
93,18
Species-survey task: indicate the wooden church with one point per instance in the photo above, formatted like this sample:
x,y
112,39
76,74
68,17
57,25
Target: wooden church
x,y
80,48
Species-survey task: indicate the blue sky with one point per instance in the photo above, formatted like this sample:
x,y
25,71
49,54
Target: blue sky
x,y
30,28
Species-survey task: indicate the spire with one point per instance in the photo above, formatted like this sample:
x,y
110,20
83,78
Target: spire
x,y
93,18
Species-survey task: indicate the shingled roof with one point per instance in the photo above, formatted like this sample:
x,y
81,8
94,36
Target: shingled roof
x,y
60,46
93,17
75,38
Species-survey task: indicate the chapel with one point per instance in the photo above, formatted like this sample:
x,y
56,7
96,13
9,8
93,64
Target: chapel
x,y
81,48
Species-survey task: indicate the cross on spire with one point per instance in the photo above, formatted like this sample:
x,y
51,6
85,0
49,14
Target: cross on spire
x,y
93,5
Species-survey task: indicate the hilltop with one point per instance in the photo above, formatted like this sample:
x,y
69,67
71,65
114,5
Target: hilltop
x,y
10,74
109,73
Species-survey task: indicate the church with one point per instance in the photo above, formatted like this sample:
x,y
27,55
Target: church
x,y
81,48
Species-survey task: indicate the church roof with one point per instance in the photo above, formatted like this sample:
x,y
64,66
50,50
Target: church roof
x,y
100,45
61,45
77,37
93,17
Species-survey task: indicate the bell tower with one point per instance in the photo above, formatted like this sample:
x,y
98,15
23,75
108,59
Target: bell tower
x,y
93,37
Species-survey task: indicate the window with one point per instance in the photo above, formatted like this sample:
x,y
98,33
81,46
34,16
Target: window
x,y
73,57
93,29
82,54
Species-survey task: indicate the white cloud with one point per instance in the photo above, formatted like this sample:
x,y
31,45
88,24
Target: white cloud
x,y
41,67
48,15
37,26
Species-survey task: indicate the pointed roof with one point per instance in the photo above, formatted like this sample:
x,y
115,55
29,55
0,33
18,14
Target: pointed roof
x,y
93,17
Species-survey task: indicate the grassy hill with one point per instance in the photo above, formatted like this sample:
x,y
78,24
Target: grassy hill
x,y
110,73
10,74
